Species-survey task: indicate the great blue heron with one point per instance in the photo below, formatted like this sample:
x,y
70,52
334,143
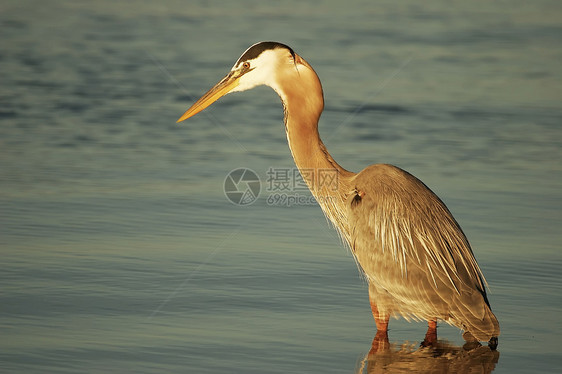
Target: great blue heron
x,y
412,251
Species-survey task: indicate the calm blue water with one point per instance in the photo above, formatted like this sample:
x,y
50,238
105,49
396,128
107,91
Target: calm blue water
x,y
121,253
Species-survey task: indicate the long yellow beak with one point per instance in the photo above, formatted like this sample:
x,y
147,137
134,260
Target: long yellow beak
x,y
220,89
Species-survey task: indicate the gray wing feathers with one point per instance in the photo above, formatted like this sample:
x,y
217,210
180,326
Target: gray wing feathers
x,y
409,244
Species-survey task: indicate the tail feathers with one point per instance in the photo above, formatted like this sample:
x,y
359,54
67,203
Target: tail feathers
x,y
483,328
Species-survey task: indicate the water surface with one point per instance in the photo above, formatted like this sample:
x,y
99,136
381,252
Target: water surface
x,y
120,251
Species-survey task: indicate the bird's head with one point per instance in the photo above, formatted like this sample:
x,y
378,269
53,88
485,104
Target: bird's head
x,y
261,64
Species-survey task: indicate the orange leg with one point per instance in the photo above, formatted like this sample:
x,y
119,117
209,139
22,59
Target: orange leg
x,y
380,342
431,334
381,321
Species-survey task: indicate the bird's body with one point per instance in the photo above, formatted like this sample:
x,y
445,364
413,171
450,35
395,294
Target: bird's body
x,y
413,253
417,259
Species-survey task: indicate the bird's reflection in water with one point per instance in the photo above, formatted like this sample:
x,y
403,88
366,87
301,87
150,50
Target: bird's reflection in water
x,y
441,357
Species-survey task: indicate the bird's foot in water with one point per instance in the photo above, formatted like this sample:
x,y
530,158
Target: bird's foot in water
x,y
430,339
380,342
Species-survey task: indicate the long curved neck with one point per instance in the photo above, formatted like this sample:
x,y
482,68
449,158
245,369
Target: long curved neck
x,y
303,103
302,112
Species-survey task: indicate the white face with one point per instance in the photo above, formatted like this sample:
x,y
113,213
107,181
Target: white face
x,y
264,63
262,70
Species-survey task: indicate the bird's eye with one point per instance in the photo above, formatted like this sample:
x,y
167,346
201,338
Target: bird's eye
x,y
246,65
